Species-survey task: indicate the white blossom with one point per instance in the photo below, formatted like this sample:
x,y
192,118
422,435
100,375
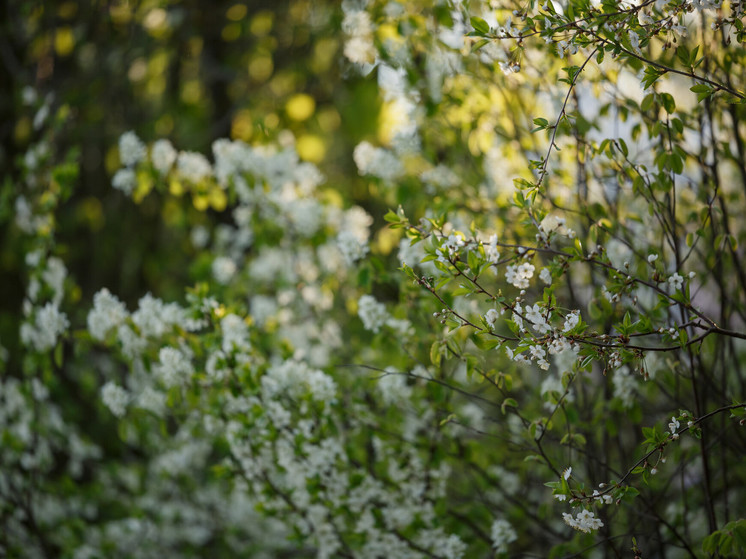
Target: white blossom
x,y
223,269
674,427
450,247
124,180
519,275
54,276
571,321
152,401
163,156
585,521
491,251
441,177
490,317
154,317
351,247
359,47
676,281
42,333
174,367
296,378
372,313
235,333
378,162
193,166
115,398
131,149
546,276
634,40
393,387
107,313
535,314
502,534
410,254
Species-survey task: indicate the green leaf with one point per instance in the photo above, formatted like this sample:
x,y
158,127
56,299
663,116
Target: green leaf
x,y
392,217
682,53
473,261
435,354
668,102
448,419
480,25
651,75
508,402
58,355
541,124
479,44
702,90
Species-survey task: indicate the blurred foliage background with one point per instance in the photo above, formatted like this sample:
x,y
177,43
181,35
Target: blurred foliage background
x,y
189,71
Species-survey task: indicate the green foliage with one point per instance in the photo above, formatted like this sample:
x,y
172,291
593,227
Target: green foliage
x,y
241,349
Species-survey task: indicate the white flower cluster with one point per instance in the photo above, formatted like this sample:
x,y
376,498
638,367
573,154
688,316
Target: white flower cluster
x,y
115,398
131,149
235,334
440,177
372,313
450,247
351,247
554,224
585,521
52,273
502,534
539,318
154,318
555,343
491,251
566,47
546,276
54,276
674,427
25,219
410,254
401,327
352,239
107,313
48,324
401,107
706,4
296,378
124,180
193,166
378,162
223,269
393,387
490,317
174,368
615,360
571,321
606,498
676,281
519,275
359,47
163,156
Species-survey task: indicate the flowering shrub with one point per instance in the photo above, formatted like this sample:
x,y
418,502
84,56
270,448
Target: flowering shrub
x,y
487,369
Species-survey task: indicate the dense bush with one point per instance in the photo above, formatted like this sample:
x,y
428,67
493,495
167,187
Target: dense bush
x,y
464,279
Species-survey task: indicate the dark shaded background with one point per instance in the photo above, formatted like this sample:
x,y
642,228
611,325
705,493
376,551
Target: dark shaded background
x,y
189,71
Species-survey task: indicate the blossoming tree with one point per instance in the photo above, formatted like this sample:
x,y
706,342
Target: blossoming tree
x,y
525,339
